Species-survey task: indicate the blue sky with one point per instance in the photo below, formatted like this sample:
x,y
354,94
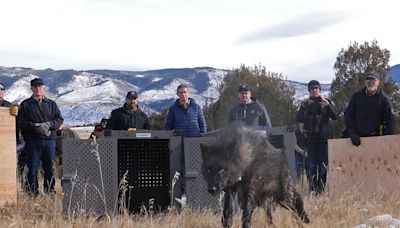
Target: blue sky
x,y
300,39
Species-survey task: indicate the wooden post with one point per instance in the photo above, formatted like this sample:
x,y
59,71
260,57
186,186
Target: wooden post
x,y
8,155
373,167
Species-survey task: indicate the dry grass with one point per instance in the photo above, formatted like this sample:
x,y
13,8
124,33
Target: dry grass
x,y
347,210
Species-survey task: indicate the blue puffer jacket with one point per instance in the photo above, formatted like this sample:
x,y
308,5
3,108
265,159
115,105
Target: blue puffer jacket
x,y
191,120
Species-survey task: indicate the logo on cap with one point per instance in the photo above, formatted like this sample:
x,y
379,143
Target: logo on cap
x,y
131,94
244,87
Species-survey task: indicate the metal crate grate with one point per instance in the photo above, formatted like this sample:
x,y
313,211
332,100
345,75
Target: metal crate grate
x,y
277,141
196,187
147,164
82,185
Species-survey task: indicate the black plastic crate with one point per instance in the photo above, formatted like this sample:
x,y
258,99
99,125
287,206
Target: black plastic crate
x,y
147,162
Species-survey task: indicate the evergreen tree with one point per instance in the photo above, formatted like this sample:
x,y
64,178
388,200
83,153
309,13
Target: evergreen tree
x,y
268,88
350,66
157,121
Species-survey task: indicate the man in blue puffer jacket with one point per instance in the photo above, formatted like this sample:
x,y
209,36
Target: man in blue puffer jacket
x,y
186,115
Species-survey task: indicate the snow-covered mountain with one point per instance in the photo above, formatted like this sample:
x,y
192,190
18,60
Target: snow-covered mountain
x,y
84,97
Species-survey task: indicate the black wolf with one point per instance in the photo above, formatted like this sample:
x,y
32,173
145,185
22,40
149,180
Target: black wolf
x,y
244,162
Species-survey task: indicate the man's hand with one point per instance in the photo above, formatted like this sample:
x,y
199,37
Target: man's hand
x,y
43,128
324,101
307,102
14,110
355,139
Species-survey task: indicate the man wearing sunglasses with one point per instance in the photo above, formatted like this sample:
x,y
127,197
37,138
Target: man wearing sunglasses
x,y
128,116
369,112
249,111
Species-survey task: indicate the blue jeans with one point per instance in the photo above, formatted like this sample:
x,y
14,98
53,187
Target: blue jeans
x,y
317,160
40,150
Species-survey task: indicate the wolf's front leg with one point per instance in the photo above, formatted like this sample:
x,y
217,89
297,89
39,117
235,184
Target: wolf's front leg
x,y
227,213
247,207
268,208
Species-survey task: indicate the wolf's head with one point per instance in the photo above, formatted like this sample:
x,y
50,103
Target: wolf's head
x,y
217,169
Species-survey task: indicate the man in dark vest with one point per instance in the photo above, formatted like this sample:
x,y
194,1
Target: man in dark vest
x,y
249,111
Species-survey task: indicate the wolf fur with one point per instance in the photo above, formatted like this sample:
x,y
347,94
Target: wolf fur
x,y
243,162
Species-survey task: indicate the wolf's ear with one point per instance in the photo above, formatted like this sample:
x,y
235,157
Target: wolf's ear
x,y
204,149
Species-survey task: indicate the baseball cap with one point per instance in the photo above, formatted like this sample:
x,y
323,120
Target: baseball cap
x,y
37,81
314,83
244,87
372,74
131,94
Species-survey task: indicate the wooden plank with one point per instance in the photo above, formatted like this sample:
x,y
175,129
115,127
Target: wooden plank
x,y
373,167
8,175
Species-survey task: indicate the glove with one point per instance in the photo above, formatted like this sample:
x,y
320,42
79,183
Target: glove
x,y
355,139
43,128
14,110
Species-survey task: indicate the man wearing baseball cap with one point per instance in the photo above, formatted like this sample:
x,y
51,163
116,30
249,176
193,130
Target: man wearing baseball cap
x,y
249,111
128,116
39,118
313,117
5,103
369,112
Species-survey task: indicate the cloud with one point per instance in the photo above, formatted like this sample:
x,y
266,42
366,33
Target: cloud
x,y
297,26
320,69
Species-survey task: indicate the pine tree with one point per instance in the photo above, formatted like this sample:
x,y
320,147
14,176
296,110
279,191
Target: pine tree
x,y
157,121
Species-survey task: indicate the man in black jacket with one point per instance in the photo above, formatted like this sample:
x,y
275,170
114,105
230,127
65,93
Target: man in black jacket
x,y
128,116
3,103
369,112
38,119
314,114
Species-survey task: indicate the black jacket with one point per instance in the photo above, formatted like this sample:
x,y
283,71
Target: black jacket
x,y
31,112
4,103
251,114
315,115
124,118
365,114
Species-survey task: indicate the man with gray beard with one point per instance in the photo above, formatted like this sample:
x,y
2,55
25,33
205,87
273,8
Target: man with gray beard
x,y
369,112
